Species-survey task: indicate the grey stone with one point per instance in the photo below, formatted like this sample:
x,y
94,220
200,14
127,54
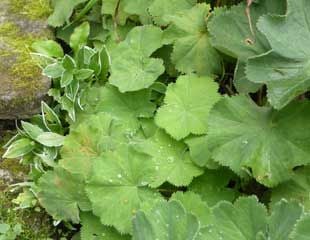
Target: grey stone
x,y
22,85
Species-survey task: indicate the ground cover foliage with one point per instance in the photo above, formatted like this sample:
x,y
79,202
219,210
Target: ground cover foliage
x,y
173,120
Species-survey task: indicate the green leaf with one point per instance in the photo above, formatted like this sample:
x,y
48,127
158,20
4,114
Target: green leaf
x,y
187,105
33,131
165,221
19,148
62,195
79,37
118,187
51,119
161,10
96,135
284,69
199,151
92,229
54,70
283,219
66,78
231,33
127,107
172,163
132,68
266,142
50,139
195,205
301,231
83,74
49,48
63,9
298,188
212,187
247,219
192,48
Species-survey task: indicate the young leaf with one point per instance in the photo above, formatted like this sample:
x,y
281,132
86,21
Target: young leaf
x,y
187,106
49,48
132,68
62,195
192,51
268,142
50,119
167,220
79,37
284,69
54,70
19,148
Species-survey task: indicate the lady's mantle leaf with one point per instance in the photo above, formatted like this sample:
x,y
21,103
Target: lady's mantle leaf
x,y
166,221
285,70
115,8
118,187
62,195
98,134
212,186
192,48
302,229
267,142
132,68
247,219
187,106
298,188
172,161
161,10
92,229
231,34
127,107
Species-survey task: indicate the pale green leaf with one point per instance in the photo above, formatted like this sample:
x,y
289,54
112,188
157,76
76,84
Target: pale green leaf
x,y
50,139
96,135
302,229
19,148
266,142
118,186
49,48
193,204
187,105
172,163
127,107
115,8
132,68
166,221
62,195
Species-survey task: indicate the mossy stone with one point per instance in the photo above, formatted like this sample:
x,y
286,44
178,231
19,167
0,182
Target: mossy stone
x,y
23,87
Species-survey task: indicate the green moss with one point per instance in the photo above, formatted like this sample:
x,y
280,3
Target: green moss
x,y
31,9
25,71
